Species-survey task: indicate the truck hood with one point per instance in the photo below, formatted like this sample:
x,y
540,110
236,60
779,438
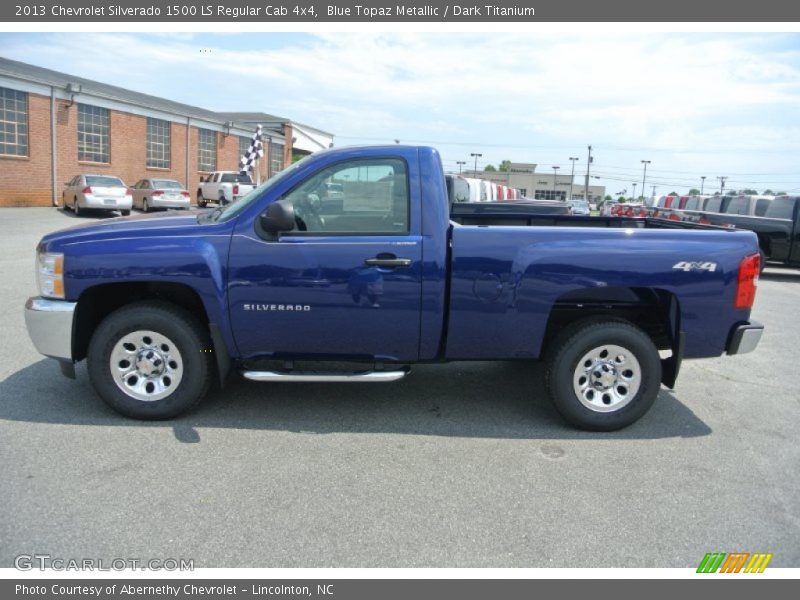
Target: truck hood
x,y
149,225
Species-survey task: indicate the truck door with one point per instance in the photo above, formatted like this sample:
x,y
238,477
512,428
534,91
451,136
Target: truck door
x,y
346,283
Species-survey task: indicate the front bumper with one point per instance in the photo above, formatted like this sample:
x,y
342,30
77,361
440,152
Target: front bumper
x,y
49,324
744,338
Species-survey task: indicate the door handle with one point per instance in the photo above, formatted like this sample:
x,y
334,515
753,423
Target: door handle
x,y
388,260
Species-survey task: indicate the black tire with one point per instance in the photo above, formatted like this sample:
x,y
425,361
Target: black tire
x,y
763,262
563,374
125,213
201,202
76,208
189,337
145,208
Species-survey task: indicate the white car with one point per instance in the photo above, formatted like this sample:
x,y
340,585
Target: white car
x,y
97,192
223,187
149,194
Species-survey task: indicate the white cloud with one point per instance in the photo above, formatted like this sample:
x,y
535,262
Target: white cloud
x,y
671,93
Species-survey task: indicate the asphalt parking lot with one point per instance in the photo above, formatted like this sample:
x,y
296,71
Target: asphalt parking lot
x,y
463,465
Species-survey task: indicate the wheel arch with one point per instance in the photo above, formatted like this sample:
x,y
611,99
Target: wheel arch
x,y
655,311
97,302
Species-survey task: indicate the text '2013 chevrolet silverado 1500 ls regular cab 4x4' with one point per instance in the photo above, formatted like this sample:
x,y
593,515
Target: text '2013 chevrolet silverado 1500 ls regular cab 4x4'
x,y
290,284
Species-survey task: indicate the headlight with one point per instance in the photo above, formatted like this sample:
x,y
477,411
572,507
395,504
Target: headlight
x,y
50,274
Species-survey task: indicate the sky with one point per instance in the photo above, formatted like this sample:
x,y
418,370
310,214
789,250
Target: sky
x,y
693,104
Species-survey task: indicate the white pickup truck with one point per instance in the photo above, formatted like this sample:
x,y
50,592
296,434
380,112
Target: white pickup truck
x,y
223,187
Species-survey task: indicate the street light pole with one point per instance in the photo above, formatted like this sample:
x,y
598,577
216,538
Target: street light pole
x,y
644,176
634,191
588,165
702,183
476,156
722,183
555,170
460,163
572,176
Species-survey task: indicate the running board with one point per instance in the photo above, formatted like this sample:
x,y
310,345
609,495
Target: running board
x,y
319,376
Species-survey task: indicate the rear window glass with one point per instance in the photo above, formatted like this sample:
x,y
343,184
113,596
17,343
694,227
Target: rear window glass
x,y
166,184
762,205
781,208
235,178
460,191
692,204
714,204
737,206
104,181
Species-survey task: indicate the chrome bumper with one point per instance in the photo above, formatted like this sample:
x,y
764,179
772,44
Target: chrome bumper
x,y
745,338
49,325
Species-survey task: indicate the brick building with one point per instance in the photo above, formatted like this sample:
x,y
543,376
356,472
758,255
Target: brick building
x,y
54,126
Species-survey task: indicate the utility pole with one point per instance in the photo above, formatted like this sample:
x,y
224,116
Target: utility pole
x,y
555,170
722,183
476,156
460,163
634,191
572,176
588,165
702,184
654,192
644,176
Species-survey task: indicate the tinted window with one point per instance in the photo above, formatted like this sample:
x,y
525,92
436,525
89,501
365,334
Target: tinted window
x,y
781,208
235,178
104,181
737,206
374,198
714,203
167,184
692,204
762,205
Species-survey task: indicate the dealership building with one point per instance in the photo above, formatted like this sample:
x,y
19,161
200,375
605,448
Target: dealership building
x,y
54,126
541,186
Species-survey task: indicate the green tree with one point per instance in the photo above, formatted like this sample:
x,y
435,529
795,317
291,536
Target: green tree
x,y
694,192
608,198
781,194
505,165
769,193
749,192
489,168
674,194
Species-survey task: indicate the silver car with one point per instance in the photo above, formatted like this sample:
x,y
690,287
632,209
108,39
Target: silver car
x,y
149,194
579,207
97,192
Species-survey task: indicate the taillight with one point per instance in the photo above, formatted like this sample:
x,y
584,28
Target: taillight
x,y
185,194
87,190
236,189
746,283
129,192
157,193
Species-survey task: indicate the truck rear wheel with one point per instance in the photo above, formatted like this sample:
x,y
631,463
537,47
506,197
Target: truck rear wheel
x,y
201,202
603,376
150,360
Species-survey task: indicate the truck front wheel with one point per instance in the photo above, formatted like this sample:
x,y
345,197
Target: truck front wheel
x,y
150,360
603,376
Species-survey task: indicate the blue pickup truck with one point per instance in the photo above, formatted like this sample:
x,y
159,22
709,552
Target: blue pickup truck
x,y
292,283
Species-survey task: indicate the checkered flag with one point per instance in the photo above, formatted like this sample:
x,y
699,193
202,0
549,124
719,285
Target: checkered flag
x,y
256,150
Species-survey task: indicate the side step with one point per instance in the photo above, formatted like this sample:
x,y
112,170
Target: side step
x,y
319,376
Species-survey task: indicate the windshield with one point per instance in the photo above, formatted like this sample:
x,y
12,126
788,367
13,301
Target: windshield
x,y
104,181
166,184
228,212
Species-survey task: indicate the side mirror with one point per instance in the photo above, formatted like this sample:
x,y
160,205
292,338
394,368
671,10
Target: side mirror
x,y
278,217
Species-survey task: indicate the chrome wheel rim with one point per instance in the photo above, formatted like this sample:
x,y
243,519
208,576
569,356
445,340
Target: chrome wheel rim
x,y
146,365
607,378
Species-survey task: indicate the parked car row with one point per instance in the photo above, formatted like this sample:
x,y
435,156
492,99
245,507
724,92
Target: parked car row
x,y
468,189
774,220
108,192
